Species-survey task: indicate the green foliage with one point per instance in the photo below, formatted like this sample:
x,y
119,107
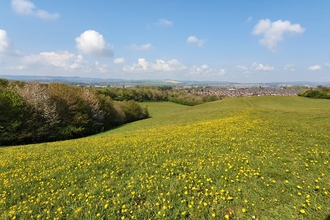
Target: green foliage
x,y
319,93
160,93
12,112
134,111
112,117
3,83
33,112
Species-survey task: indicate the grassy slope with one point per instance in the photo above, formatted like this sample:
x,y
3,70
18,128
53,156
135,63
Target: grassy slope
x,y
262,156
173,114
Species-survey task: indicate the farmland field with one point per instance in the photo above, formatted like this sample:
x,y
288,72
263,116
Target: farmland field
x,y
240,158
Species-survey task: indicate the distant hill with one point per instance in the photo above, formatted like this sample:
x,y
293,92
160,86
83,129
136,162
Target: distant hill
x,y
108,81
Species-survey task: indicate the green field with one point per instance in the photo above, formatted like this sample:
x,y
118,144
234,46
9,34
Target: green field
x,y
239,158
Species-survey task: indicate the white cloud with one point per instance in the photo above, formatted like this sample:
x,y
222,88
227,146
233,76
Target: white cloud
x,y
51,61
315,67
328,65
157,66
244,68
64,60
195,40
101,68
26,7
6,44
221,72
273,31
164,22
46,15
119,60
92,42
204,70
260,67
22,6
289,67
141,47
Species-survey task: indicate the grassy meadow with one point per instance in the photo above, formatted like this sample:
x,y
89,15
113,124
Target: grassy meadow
x,y
238,158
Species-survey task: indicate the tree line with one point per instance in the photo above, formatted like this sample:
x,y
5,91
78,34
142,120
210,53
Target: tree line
x,y
156,94
33,112
320,93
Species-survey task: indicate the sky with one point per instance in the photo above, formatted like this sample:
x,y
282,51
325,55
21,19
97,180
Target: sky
x,y
216,40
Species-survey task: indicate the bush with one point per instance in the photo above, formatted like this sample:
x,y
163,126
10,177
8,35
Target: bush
x,y
160,93
33,112
12,112
321,93
133,111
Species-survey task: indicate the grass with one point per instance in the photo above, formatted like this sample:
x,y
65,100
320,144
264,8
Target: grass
x,y
266,157
162,108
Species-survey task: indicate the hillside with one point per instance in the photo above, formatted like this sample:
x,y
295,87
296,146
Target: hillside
x,y
261,157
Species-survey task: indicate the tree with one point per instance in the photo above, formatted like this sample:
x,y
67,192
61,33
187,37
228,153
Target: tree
x,y
94,109
41,113
39,99
11,116
3,83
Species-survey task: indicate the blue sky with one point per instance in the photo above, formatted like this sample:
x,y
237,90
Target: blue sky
x,y
238,41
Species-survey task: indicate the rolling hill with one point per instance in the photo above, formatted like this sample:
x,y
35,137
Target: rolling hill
x,y
240,158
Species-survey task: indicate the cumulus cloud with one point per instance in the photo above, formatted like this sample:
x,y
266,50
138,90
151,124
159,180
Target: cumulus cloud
x,y
119,60
221,72
243,68
164,22
52,61
273,31
315,67
6,44
141,47
260,67
26,7
46,15
101,68
204,70
289,67
255,67
92,42
64,60
158,66
195,40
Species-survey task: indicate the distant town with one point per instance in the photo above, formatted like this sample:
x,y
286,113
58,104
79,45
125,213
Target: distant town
x,y
220,89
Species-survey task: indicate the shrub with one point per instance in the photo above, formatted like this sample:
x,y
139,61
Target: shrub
x,y
33,112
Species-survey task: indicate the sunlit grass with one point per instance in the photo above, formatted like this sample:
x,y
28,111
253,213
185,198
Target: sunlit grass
x,y
162,108
231,159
